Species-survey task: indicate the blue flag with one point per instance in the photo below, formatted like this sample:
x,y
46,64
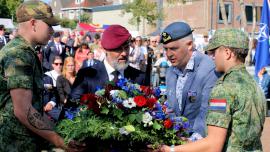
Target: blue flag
x,y
262,55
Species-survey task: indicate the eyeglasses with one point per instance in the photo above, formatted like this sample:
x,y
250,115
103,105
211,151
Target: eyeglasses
x,y
58,64
154,41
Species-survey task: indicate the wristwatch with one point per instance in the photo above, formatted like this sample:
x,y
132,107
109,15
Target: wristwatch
x,y
172,148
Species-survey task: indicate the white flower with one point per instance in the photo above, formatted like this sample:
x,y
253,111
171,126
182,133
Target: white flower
x,y
129,103
147,119
123,131
114,93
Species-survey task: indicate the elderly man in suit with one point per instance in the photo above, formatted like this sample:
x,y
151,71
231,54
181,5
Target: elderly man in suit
x,y
115,41
190,78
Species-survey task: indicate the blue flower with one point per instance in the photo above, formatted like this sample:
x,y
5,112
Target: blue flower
x,y
186,125
177,127
158,106
117,100
157,92
69,115
98,88
121,82
125,88
159,115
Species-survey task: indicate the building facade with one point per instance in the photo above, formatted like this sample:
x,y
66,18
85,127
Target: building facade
x,y
203,15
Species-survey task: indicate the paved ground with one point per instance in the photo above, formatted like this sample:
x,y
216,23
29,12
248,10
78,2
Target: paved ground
x,y
266,135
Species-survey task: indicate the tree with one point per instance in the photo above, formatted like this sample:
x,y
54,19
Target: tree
x,y
68,23
8,8
142,10
86,18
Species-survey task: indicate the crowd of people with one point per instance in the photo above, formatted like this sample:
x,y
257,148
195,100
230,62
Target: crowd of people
x,y
42,71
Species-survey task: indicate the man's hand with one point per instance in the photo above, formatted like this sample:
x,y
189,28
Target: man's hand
x,y
48,107
74,146
165,148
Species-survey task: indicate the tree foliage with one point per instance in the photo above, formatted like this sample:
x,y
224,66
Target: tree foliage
x,y
67,23
142,9
86,18
8,8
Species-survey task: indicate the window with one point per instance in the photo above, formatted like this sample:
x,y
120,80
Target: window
x,y
249,13
78,1
71,14
228,9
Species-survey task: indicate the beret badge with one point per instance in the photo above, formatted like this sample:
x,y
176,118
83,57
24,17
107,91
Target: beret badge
x,y
166,37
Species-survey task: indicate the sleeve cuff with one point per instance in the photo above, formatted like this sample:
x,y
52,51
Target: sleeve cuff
x,y
52,103
195,136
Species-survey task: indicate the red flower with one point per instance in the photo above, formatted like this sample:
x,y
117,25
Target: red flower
x,y
151,102
140,101
167,123
146,90
86,98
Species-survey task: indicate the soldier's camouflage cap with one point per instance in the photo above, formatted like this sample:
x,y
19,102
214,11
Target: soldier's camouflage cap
x,y
228,37
37,10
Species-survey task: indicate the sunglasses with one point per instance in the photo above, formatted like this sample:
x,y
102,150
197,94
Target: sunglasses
x,y
58,64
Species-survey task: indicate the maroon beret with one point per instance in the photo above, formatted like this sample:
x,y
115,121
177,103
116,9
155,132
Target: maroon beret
x,y
114,36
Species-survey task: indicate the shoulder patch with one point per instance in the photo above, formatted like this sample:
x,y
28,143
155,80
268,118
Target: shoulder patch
x,y
218,105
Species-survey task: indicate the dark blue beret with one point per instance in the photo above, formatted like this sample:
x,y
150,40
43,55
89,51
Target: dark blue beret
x,y
175,31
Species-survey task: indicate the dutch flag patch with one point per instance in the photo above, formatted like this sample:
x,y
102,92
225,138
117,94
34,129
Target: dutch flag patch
x,y
218,105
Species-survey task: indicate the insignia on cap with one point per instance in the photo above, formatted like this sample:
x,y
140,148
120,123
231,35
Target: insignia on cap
x,y
166,37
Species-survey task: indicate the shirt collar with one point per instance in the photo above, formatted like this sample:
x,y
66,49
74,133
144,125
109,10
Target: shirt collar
x,y
189,66
110,69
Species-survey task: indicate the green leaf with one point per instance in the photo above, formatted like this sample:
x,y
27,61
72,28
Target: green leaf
x,y
139,117
122,94
104,110
156,126
118,113
131,117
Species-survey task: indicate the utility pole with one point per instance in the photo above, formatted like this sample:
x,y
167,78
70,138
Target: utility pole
x,y
80,11
159,9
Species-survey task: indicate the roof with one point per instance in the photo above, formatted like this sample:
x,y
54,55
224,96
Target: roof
x,y
107,8
85,3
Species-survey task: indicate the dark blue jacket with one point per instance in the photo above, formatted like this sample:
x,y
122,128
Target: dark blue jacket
x,y
49,52
85,64
50,94
88,79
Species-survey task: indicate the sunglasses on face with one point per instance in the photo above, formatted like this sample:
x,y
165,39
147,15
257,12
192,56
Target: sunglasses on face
x,y
58,64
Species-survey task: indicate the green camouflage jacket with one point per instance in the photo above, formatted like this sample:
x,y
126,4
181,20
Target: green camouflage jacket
x,y
19,68
238,104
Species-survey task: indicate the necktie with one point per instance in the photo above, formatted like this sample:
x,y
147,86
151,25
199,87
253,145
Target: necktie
x,y
115,76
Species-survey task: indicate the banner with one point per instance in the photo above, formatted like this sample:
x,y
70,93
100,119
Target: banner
x,y
262,55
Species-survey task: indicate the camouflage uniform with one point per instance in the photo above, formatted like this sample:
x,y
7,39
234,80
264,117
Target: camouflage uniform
x,y
236,102
19,68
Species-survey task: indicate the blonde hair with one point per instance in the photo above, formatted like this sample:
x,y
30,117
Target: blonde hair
x,y
68,60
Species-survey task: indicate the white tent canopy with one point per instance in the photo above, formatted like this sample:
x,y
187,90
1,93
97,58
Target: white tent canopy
x,y
7,23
